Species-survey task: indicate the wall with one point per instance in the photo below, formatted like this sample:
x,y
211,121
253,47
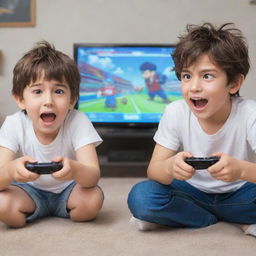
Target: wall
x,y
64,22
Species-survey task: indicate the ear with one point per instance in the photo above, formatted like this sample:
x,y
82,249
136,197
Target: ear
x,y
236,85
19,101
73,103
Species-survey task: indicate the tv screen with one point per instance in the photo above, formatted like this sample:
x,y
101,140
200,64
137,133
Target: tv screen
x,y
126,85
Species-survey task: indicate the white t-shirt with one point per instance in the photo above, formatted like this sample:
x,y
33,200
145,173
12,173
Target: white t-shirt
x,y
17,134
179,130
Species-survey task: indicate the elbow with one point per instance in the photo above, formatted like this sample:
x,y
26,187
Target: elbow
x,y
163,179
93,180
96,178
149,174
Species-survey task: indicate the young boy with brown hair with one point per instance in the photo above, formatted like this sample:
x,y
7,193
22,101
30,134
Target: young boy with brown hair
x,y
211,120
47,129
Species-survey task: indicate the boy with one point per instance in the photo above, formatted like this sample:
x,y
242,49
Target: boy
x,y
109,91
46,87
153,81
211,120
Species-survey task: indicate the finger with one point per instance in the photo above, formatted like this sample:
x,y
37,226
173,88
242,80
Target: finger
x,y
180,176
30,159
185,167
225,178
62,174
219,154
222,176
24,178
57,159
215,168
187,154
183,174
28,175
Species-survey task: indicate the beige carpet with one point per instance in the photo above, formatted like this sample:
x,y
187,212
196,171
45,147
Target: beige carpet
x,y
110,234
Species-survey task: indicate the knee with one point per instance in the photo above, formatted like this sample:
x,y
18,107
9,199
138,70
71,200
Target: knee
x,y
9,211
6,204
133,196
139,199
94,205
88,206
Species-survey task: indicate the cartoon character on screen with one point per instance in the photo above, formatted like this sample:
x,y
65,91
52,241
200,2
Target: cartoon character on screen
x,y
109,91
154,81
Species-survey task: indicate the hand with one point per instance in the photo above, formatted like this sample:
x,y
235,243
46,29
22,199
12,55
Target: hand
x,y
180,170
227,169
19,173
65,173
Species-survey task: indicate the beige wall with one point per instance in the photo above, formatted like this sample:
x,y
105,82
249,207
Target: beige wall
x,y
64,22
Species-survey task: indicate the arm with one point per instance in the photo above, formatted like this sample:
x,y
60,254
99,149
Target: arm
x,y
248,171
87,160
166,164
6,157
84,170
14,169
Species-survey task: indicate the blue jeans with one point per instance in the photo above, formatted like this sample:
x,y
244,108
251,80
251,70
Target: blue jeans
x,y
182,205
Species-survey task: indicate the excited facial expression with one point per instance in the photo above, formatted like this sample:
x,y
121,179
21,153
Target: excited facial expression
x,y
47,104
206,90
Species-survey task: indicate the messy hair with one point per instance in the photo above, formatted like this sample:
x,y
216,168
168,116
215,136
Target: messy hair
x,y
225,46
45,60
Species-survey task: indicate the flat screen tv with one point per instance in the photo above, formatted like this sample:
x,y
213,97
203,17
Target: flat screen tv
x,y
126,85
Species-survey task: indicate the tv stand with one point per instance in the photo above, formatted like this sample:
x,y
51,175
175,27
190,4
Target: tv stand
x,y
129,155
126,131
125,152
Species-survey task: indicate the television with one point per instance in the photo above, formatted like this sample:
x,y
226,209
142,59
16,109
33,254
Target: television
x,y
125,85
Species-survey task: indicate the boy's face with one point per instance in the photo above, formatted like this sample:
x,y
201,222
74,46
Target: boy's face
x,y
47,104
148,74
206,90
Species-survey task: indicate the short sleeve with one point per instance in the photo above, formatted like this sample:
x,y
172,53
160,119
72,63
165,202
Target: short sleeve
x,y
251,131
167,134
8,134
82,131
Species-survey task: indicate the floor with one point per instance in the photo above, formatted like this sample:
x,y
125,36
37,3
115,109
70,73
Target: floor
x,y
110,234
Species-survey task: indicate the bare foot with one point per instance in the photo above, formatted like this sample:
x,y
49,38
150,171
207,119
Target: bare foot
x,y
244,227
249,229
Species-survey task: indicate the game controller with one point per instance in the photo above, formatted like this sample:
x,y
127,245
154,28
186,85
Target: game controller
x,y
201,162
44,168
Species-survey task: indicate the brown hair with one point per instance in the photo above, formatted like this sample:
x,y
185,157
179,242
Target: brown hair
x,y
225,45
45,60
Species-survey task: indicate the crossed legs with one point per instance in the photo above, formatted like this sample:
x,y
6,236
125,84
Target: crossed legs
x,y
181,205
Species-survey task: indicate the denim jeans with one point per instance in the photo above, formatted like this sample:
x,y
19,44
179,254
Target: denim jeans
x,y
182,205
47,203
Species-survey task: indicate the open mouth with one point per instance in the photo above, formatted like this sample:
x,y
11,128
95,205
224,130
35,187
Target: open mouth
x,y
48,117
199,102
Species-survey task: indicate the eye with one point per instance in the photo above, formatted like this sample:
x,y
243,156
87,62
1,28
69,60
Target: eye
x,y
185,76
37,91
208,76
59,91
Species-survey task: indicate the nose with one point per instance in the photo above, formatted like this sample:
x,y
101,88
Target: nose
x,y
48,99
195,84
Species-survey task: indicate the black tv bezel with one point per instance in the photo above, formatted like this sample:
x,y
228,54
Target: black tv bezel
x,y
109,45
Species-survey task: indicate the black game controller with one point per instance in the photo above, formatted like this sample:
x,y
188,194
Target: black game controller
x,y
201,162
44,168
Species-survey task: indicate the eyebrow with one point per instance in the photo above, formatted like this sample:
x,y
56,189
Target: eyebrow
x,y
209,70
54,84
201,71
